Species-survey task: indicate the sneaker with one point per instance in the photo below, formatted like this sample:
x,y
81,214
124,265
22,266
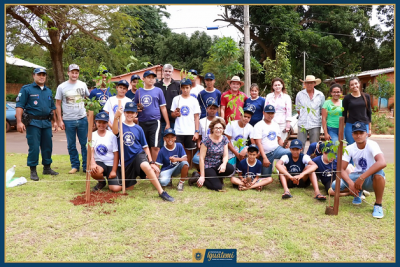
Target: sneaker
x,y
366,193
362,197
194,178
357,200
378,212
73,170
180,186
100,185
164,195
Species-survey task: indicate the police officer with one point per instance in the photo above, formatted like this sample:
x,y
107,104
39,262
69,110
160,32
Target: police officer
x,y
34,113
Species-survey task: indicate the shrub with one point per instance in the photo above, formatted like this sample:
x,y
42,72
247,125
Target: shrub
x,y
11,97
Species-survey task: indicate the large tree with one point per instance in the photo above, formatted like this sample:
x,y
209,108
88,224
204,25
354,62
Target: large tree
x,y
52,25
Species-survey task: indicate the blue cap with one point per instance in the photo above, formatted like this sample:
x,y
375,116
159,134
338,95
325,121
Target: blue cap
x,y
130,106
169,131
185,81
102,116
102,72
193,71
248,109
124,83
269,108
212,103
39,70
209,76
252,147
323,145
149,72
135,76
296,143
359,126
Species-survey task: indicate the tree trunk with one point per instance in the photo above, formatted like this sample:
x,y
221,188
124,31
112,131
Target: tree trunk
x,y
56,61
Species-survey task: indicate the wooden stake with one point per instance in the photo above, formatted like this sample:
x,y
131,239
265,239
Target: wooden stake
x,y
89,154
121,145
339,167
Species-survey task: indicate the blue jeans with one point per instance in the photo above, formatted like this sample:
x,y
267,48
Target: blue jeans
x,y
348,133
165,176
75,128
276,154
367,185
196,158
163,124
334,133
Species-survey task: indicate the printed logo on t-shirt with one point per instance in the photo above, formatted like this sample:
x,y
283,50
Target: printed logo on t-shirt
x,y
146,100
101,150
294,169
129,139
362,162
185,110
195,96
174,163
238,137
115,107
327,173
251,174
210,100
271,135
251,107
103,100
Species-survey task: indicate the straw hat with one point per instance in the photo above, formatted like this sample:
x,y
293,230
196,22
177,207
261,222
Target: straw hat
x,y
235,79
311,78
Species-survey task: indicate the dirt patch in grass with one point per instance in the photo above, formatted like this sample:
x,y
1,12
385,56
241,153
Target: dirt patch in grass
x,y
96,198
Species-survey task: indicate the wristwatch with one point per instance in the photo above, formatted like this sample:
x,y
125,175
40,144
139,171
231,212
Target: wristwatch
x,y
197,131
152,162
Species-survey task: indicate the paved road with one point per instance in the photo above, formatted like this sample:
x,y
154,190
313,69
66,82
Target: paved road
x,y
16,143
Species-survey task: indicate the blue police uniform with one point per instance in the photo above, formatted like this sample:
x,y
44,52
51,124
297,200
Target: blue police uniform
x,y
39,103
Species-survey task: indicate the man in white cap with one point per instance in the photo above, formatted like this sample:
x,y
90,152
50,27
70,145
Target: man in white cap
x,y
309,104
232,95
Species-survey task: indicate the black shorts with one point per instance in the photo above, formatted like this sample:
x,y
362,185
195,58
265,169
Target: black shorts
x,y
107,169
186,141
327,185
302,183
152,132
132,171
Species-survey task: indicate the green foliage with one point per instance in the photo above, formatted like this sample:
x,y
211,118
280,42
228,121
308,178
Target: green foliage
x,y
382,89
381,124
223,61
18,74
11,97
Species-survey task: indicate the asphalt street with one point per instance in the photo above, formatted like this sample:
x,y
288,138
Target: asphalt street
x,y
16,143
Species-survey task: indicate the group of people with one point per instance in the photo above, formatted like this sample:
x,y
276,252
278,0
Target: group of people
x,y
168,126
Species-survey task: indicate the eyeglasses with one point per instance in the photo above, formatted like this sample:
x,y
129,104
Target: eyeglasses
x,y
218,128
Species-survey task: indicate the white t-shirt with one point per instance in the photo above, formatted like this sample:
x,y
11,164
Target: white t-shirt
x,y
362,158
111,107
196,90
236,132
184,125
204,127
268,135
306,159
69,94
104,147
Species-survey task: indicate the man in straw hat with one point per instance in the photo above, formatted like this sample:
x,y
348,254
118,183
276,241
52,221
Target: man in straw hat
x,y
308,105
233,93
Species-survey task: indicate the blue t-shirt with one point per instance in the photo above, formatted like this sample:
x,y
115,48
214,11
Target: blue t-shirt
x,y
101,96
134,142
257,106
130,95
324,171
312,147
165,154
295,168
206,97
254,170
151,99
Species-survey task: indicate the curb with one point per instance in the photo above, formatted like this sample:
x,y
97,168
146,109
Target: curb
x,y
382,136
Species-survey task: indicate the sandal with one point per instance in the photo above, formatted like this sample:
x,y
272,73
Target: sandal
x,y
286,195
320,197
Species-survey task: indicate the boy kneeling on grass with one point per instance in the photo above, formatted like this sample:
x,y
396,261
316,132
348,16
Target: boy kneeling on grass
x,y
172,157
250,167
368,173
295,169
136,152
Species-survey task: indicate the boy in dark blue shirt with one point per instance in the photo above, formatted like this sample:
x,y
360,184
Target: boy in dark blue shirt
x,y
172,157
295,169
208,95
101,94
249,172
134,81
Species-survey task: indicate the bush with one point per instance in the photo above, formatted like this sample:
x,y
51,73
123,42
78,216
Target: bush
x,y
11,97
380,124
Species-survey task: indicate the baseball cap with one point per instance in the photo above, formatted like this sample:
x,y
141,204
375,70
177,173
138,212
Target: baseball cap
x,y
39,70
124,83
296,143
248,109
185,81
135,76
269,108
102,72
130,106
359,126
212,103
102,116
73,67
149,72
252,148
169,131
323,145
209,76
193,71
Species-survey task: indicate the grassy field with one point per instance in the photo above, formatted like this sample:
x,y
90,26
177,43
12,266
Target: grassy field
x,y
43,225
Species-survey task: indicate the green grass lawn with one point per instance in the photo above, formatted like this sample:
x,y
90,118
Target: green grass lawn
x,y
43,225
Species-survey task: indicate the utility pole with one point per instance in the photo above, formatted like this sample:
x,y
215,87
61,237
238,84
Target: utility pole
x,y
304,60
247,71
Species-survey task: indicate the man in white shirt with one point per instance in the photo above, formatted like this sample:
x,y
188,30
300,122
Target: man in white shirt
x,y
368,173
309,104
267,138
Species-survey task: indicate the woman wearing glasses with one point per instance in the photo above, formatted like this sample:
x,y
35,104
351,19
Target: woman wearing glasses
x,y
331,112
214,164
